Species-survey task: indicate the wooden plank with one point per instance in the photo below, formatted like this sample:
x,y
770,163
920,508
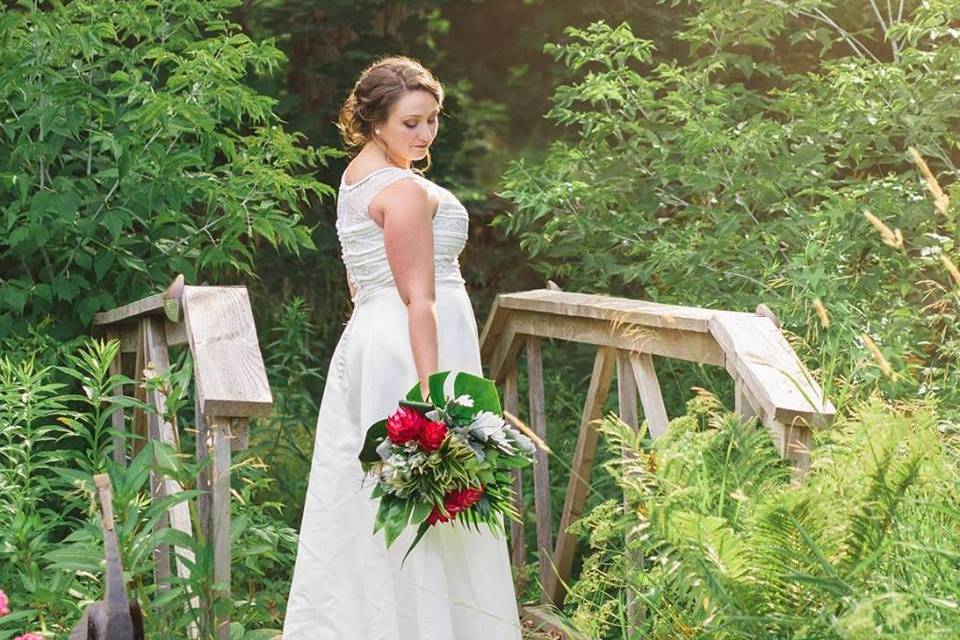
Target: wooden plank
x,y
743,404
504,357
117,421
161,555
758,354
147,306
581,469
140,393
541,473
654,410
228,367
220,513
511,402
672,343
627,401
604,307
162,430
157,304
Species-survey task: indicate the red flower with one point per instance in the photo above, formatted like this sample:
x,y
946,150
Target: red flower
x,y
405,425
461,499
432,436
437,516
456,501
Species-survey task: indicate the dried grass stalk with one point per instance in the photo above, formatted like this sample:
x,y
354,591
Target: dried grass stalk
x,y
891,238
951,268
878,356
940,200
821,313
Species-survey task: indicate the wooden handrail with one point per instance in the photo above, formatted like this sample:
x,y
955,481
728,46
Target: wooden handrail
x,y
771,383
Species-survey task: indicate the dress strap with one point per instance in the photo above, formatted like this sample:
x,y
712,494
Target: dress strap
x,y
355,199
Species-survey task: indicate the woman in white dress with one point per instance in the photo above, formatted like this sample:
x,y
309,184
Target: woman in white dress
x,y
400,236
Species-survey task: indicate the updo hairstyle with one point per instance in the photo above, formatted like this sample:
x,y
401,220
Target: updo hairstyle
x,y
379,86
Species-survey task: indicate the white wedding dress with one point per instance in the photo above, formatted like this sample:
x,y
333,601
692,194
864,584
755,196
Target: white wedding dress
x,y
347,585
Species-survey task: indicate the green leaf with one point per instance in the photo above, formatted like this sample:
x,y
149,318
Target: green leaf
x,y
482,390
375,435
397,519
421,511
435,384
421,530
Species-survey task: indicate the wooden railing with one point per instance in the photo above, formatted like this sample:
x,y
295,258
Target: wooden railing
x,y
770,383
230,387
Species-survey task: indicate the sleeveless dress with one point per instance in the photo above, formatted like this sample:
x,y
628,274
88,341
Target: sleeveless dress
x,y
347,585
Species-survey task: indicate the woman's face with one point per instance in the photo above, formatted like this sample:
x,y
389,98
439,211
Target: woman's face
x,y
411,126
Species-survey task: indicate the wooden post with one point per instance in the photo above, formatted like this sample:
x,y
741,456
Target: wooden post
x,y
231,386
518,550
147,369
541,473
627,400
579,483
117,422
654,411
220,512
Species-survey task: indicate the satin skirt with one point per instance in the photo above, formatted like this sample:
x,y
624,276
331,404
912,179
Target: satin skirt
x,y
347,585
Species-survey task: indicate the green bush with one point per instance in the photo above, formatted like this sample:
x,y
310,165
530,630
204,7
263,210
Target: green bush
x,y
52,442
743,175
132,149
722,546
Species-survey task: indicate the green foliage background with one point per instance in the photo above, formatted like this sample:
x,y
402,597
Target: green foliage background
x,y
704,152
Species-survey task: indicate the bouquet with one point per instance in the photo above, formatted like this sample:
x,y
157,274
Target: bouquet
x,y
446,460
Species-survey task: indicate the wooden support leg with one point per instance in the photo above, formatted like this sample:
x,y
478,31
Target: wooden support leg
x,y
580,474
161,555
117,422
541,473
627,399
518,551
654,411
203,441
220,513
163,431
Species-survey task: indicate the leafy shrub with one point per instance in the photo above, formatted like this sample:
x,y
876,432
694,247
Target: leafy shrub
x,y
131,150
52,441
731,179
721,546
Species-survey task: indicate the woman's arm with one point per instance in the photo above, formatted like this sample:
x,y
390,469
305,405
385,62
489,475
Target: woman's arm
x,y
408,238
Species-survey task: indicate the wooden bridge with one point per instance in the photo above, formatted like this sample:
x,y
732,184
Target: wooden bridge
x,y
230,387
770,383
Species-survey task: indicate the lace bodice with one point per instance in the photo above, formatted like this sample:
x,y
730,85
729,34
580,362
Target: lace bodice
x,y
361,239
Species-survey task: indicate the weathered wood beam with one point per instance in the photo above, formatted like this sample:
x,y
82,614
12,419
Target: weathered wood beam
x,y
654,410
163,431
579,483
518,551
627,387
230,376
541,473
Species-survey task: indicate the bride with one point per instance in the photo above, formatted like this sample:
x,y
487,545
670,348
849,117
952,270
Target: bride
x,y
401,235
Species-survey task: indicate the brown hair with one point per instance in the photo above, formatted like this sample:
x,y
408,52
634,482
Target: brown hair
x,y
379,86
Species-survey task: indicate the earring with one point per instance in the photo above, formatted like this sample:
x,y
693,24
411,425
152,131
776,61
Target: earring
x,y
377,131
